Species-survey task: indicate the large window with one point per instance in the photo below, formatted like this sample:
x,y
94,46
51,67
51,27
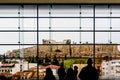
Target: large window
x,y
74,31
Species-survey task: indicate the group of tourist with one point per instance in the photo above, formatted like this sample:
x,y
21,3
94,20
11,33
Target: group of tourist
x,y
87,73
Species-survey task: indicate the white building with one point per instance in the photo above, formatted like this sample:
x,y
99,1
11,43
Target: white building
x,y
111,69
15,67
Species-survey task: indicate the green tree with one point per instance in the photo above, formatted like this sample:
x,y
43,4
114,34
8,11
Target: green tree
x,y
55,61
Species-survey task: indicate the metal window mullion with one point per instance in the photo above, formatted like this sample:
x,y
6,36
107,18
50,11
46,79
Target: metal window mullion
x,y
94,34
37,41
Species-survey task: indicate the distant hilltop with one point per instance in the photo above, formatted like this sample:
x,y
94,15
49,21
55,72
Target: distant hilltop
x,y
66,41
68,49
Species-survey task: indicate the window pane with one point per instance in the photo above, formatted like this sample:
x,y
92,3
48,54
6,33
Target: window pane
x,y
102,37
86,10
12,36
65,11
102,11
44,23
9,11
29,37
115,23
65,24
14,51
115,10
60,36
115,37
86,24
16,37
28,11
87,37
8,48
44,11
28,23
8,24
102,24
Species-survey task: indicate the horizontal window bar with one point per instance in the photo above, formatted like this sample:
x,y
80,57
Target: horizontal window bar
x,y
61,17
59,44
59,31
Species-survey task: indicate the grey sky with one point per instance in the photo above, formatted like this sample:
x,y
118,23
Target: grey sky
x,y
58,24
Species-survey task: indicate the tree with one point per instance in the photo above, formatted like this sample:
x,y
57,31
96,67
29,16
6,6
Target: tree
x,y
57,50
65,57
4,58
69,43
55,61
47,59
106,58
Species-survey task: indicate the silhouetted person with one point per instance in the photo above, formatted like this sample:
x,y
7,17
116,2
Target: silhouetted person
x,y
3,78
49,75
61,72
89,72
70,75
75,71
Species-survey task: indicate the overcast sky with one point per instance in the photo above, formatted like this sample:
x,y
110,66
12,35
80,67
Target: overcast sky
x,y
58,24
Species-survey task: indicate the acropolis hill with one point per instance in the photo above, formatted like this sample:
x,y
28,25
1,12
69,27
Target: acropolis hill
x,y
67,48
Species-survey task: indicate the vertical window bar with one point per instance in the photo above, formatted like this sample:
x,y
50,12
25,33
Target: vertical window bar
x,y
19,32
80,30
94,34
37,42
21,35
50,27
110,27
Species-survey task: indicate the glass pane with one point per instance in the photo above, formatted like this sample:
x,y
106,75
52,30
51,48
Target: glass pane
x,y
87,37
14,23
16,37
29,11
102,11
115,37
28,24
44,10
8,24
65,11
29,51
86,50
102,37
87,11
86,24
65,24
9,10
13,51
102,24
29,37
42,36
12,36
115,23
115,11
8,48
44,23
60,37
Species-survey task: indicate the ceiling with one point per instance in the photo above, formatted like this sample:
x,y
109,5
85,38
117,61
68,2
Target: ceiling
x,y
59,1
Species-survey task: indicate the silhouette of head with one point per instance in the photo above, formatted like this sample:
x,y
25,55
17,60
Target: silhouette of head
x,y
89,62
48,71
69,71
75,67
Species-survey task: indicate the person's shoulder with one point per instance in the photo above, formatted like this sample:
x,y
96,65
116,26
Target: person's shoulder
x,y
85,67
94,68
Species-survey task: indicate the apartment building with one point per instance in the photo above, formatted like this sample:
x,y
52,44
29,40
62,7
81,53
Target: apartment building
x,y
111,69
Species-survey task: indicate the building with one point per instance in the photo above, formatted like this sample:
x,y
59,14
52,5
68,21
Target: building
x,y
111,69
14,66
